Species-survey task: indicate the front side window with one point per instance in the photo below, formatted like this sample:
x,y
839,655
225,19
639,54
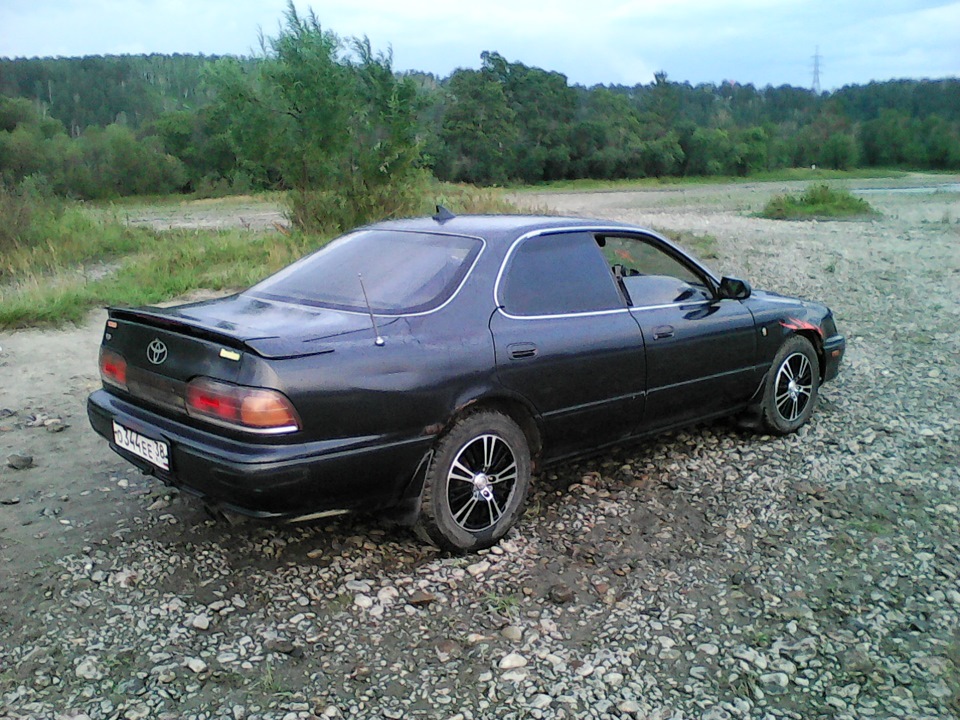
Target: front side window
x,y
403,272
649,275
558,274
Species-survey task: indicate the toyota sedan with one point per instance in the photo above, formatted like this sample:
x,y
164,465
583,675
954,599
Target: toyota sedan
x,y
430,367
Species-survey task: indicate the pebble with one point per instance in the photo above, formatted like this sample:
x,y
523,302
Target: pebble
x,y
512,661
478,568
20,462
89,669
364,602
561,594
512,633
707,573
201,622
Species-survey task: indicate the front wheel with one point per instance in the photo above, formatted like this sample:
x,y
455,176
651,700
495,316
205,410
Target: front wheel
x,y
476,484
790,392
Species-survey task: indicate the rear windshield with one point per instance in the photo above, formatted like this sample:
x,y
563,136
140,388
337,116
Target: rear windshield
x,y
403,272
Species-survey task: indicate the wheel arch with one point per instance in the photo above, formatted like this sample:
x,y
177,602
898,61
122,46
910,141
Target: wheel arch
x,y
514,408
817,341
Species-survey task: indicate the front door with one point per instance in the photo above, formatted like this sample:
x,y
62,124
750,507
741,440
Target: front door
x,y
700,350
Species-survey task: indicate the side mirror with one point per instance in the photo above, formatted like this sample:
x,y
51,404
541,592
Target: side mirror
x,y
732,288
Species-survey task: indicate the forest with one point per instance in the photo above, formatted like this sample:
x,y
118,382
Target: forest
x,y
328,117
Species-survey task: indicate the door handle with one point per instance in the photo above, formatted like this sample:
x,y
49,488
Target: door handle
x,y
521,351
663,331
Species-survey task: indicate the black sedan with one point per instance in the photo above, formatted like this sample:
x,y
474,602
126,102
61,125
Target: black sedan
x,y
430,366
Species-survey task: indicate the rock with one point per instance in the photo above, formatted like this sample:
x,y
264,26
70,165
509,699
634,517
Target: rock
x,y
89,669
201,622
387,595
708,649
797,612
561,593
448,650
629,707
512,633
10,501
20,462
613,679
421,598
478,568
196,665
515,676
774,683
137,712
364,602
751,656
541,702
279,645
512,661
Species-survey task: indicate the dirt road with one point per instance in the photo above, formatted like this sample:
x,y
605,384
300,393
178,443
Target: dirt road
x,y
710,573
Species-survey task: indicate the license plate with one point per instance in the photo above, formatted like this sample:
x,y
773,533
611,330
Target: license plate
x,y
153,451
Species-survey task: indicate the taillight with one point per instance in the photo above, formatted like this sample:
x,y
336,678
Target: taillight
x,y
246,408
113,368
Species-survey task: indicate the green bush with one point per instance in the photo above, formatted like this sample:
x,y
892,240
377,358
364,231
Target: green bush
x,y
816,201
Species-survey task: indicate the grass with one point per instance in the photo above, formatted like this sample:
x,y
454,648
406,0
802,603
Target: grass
x,y
783,175
150,268
66,259
702,246
817,201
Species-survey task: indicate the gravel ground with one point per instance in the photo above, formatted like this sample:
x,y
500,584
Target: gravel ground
x,y
710,573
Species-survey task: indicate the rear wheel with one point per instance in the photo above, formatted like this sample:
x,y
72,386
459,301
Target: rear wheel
x,y
477,483
791,387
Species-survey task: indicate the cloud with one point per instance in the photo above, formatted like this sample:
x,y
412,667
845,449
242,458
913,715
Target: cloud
x,y
605,41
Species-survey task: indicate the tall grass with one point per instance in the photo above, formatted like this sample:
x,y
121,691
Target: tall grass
x,y
64,259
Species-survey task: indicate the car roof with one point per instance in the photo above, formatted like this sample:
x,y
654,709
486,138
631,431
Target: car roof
x,y
494,228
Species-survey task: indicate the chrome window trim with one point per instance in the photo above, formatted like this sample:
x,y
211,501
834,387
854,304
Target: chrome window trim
x,y
441,306
593,229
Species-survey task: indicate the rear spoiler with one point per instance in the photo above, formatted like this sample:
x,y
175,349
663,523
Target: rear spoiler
x,y
267,346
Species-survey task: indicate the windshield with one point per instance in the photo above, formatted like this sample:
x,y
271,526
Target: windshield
x,y
403,272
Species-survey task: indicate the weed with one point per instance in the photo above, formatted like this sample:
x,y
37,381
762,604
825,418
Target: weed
x,y
502,604
817,201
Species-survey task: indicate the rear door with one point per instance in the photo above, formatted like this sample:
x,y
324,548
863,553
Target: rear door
x,y
566,342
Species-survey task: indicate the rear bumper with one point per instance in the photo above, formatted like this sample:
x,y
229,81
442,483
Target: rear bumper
x,y
833,350
268,480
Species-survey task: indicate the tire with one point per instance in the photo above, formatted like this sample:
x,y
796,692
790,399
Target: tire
x,y
476,485
790,390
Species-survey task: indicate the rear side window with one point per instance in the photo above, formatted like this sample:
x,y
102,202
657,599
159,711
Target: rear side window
x,y
558,274
403,272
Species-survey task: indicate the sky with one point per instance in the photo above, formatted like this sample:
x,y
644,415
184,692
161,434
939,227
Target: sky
x,y
764,42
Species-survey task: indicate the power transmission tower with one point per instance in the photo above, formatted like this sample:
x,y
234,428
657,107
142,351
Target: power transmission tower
x,y
816,71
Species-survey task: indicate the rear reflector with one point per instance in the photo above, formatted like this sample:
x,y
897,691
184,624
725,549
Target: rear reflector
x,y
113,368
245,408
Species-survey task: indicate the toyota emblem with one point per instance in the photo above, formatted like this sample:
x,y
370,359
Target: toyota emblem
x,y
156,352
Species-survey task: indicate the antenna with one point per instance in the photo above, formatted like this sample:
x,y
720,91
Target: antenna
x,y
379,341
443,215
816,71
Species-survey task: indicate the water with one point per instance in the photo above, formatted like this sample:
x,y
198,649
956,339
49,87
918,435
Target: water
x,y
924,190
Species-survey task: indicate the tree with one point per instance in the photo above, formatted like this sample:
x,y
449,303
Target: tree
x,y
338,128
478,131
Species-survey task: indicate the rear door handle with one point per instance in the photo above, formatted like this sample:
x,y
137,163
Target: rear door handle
x,y
521,351
663,331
